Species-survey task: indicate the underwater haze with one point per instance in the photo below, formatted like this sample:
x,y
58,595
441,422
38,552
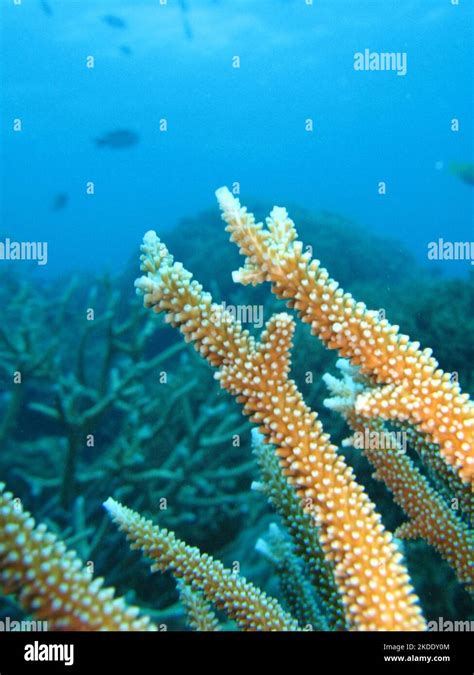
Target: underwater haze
x,y
230,122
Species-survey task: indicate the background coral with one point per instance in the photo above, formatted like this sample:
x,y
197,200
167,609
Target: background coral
x,y
168,447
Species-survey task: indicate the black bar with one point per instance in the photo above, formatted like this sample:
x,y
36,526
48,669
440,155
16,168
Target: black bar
x,y
315,653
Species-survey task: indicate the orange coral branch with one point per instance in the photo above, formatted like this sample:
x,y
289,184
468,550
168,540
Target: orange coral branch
x,y
430,516
200,615
250,607
368,567
50,582
415,390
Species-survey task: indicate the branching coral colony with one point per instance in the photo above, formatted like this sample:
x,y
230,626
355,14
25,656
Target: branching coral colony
x,y
340,568
403,385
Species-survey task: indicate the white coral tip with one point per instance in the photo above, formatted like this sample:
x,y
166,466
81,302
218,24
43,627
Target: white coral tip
x,y
237,276
150,239
113,507
226,199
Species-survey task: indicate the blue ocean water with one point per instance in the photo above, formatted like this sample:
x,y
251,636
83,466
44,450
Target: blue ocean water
x,y
174,61
121,116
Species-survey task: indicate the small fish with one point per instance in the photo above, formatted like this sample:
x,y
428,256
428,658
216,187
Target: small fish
x,y
60,201
188,31
464,171
46,7
114,21
125,49
121,138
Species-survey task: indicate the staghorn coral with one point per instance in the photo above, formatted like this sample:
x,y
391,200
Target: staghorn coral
x,y
163,442
368,568
173,440
103,385
243,602
457,494
300,526
430,516
50,581
296,589
28,343
200,615
81,398
413,388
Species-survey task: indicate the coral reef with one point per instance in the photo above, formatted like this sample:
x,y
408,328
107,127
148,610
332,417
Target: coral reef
x,y
136,414
366,562
247,605
430,516
299,525
51,583
84,424
415,389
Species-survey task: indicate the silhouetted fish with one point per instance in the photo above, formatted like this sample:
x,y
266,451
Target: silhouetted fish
x,y
46,7
114,21
186,25
60,201
125,49
187,29
464,171
121,138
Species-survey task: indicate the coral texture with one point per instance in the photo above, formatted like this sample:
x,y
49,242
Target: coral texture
x,y
412,386
244,603
51,583
294,584
368,567
200,615
300,526
431,517
116,419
